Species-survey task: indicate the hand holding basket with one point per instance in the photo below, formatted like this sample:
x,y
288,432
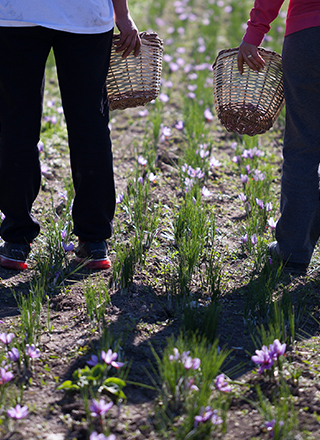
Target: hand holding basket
x,y
247,103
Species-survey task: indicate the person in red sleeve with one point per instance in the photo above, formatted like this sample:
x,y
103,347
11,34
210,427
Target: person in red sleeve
x,y
298,228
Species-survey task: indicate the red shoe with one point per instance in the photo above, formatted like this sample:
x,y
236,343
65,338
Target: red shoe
x,y
14,255
94,254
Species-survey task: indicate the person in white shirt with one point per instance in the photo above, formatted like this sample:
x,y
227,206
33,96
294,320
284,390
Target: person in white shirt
x,y
80,34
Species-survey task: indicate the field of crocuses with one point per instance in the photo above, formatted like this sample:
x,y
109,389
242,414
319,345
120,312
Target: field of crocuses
x,y
194,333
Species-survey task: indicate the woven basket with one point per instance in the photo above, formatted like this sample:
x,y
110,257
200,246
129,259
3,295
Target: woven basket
x,y
248,103
134,80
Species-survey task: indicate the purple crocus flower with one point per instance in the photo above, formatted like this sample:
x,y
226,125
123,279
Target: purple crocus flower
x,y
162,96
13,354
277,349
173,67
184,356
191,95
259,203
6,338
196,363
5,376
192,386
110,358
44,168
119,198
254,239
40,146
205,415
272,223
18,412
166,131
214,163
244,178
205,192
93,360
175,356
95,436
67,247
188,183
191,171
215,419
247,154
245,239
222,384
99,408
167,58
242,197
269,206
203,153
264,358
258,175
143,112
179,125
208,115
152,177
142,161
199,173
270,427
32,351
188,363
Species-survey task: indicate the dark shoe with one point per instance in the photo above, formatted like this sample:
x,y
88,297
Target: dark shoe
x,y
94,254
14,255
288,266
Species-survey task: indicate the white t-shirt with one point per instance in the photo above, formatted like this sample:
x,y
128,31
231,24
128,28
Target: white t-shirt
x,y
76,16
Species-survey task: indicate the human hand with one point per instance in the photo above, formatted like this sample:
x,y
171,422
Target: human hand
x,y
248,53
129,36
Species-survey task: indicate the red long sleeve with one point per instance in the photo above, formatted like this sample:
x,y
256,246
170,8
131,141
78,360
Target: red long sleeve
x,y
302,14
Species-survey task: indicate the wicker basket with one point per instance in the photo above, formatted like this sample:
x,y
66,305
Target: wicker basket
x,y
248,103
134,80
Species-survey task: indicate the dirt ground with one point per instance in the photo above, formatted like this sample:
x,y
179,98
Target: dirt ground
x,y
142,315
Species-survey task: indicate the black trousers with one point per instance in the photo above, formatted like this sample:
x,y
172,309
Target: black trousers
x,y
82,62
298,228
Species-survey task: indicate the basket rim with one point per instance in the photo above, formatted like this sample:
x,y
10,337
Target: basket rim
x,y
261,50
144,35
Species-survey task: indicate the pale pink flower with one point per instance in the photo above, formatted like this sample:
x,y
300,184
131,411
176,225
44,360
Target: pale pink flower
x,y
179,125
163,97
18,412
167,58
173,66
110,358
208,115
152,177
205,192
214,163
143,112
272,223
142,161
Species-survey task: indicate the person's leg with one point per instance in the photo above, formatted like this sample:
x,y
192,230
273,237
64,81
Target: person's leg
x,y
82,64
298,228
23,54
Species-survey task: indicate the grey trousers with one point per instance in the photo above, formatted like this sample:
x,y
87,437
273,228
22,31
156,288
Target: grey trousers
x,y
298,228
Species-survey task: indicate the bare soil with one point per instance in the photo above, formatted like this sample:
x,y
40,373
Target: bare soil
x,y
142,315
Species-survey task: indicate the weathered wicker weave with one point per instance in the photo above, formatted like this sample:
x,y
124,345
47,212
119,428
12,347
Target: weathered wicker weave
x,y
134,80
248,103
